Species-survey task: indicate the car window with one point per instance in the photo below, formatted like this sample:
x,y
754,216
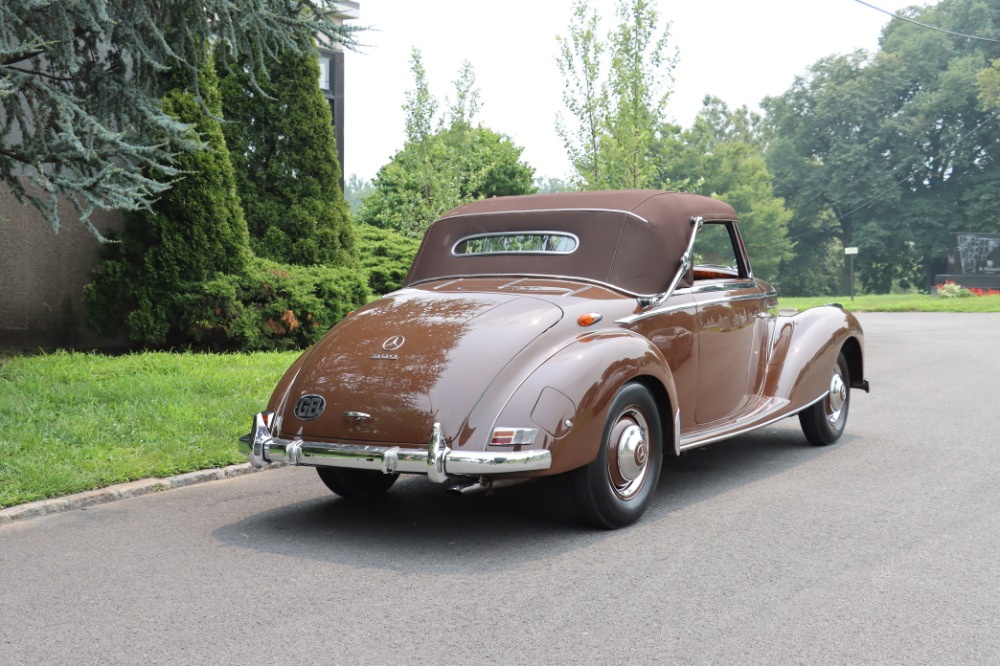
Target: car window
x,y
715,248
516,243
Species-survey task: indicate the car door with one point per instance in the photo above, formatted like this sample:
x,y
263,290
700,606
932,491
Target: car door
x,y
731,324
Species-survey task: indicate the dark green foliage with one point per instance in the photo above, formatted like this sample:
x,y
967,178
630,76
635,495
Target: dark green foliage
x,y
386,255
80,81
273,306
284,153
194,232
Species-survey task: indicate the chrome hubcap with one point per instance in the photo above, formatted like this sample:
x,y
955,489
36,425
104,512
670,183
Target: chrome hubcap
x,y
837,399
629,453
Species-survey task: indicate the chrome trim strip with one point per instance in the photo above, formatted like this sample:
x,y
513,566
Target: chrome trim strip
x,y
732,299
437,461
666,309
726,286
729,435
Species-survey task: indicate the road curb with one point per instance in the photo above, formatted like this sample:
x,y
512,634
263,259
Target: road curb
x,y
122,491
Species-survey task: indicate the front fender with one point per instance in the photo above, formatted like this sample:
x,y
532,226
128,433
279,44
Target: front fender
x,y
568,395
804,349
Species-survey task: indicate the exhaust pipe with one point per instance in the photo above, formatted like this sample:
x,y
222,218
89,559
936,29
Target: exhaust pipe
x,y
483,485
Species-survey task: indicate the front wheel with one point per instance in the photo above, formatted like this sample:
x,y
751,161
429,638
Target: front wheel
x,y
616,488
823,423
356,483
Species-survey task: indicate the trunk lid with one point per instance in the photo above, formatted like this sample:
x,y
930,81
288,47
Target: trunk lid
x,y
393,368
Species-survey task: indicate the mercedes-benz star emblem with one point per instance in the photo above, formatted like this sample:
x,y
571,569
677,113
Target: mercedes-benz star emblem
x,y
393,343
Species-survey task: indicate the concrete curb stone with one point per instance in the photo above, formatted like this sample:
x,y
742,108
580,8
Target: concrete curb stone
x,y
122,491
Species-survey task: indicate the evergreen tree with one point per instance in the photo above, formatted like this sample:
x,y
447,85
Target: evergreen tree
x,y
285,156
80,84
193,233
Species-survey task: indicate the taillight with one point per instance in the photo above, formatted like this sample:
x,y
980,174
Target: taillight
x,y
513,436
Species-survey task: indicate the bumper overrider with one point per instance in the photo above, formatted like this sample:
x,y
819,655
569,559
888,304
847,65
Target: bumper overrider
x,y
437,461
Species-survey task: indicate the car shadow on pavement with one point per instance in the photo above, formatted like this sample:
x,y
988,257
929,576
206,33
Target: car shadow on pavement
x,y
418,527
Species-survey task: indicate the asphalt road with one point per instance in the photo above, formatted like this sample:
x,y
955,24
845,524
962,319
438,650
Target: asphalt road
x,y
882,549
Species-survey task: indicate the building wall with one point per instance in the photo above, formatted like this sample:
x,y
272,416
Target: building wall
x,y
42,274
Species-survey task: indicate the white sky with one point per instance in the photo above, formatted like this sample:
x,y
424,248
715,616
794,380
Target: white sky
x,y
738,50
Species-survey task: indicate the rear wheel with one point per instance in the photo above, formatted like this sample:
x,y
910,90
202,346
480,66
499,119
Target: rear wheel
x,y
823,423
617,487
356,483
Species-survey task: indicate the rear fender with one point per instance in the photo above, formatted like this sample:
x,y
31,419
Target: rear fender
x,y
567,397
804,349
279,397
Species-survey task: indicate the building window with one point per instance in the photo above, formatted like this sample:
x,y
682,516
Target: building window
x,y
324,73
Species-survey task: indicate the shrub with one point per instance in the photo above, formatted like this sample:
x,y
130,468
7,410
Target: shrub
x,y
194,232
275,306
386,255
951,289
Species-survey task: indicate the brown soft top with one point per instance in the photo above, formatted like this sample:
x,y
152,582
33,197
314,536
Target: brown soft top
x,y
630,239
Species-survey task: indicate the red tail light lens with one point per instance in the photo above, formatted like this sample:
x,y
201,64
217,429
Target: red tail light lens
x,y
513,436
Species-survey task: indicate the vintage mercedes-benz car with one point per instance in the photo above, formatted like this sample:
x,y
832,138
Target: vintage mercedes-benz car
x,y
587,334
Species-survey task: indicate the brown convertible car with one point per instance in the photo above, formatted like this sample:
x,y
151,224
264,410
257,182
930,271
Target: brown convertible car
x,y
587,334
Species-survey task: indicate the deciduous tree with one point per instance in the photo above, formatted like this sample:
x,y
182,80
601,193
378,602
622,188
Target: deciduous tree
x,y
893,148
446,161
721,155
613,141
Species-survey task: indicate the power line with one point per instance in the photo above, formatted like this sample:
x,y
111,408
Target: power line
x,y
929,27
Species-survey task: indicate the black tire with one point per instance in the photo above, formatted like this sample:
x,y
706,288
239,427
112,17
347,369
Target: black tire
x,y
823,423
616,488
356,483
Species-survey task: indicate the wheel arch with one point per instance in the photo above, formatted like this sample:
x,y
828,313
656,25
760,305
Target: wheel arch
x,y
669,414
851,349
589,373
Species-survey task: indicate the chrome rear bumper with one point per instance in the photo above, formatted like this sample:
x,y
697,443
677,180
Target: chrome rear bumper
x,y
437,461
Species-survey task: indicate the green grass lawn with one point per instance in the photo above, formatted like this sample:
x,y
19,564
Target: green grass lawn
x,y
899,303
71,421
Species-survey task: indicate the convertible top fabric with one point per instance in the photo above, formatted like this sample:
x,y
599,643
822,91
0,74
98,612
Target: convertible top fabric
x,y
632,240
